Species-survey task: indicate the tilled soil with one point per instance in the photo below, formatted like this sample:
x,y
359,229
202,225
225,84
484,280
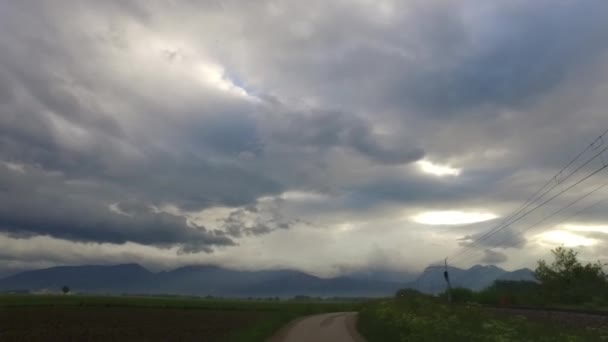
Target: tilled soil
x,y
120,324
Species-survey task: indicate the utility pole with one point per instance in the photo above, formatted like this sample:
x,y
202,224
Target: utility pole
x,y
447,280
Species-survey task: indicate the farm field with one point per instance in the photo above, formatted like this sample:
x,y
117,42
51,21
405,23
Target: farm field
x,y
98,318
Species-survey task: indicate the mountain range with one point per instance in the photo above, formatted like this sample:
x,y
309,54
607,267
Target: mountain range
x,y
478,277
203,280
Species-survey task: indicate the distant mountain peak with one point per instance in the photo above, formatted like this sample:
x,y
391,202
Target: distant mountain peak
x,y
193,280
198,267
491,267
206,279
476,277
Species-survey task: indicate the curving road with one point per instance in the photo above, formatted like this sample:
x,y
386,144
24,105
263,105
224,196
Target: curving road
x,y
331,327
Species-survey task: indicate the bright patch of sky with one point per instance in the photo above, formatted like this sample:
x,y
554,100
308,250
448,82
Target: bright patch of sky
x,y
451,217
587,228
565,238
215,75
437,169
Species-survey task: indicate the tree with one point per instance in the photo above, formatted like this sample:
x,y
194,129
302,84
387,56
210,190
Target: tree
x,y
567,280
65,289
509,292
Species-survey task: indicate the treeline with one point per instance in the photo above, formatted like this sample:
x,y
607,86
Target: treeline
x,y
565,281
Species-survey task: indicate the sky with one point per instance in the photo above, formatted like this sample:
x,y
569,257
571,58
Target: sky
x,y
324,136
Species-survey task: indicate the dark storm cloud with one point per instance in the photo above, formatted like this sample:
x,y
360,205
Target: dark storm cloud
x,y
532,49
256,219
35,203
325,130
448,62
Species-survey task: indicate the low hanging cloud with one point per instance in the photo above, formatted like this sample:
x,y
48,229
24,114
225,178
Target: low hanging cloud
x,y
502,238
493,257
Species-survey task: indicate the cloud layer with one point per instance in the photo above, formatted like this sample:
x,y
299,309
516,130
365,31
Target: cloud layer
x,y
205,131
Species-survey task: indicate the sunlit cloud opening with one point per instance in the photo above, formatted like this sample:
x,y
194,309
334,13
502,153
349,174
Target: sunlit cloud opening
x,y
585,228
565,238
437,170
345,227
215,75
186,60
451,217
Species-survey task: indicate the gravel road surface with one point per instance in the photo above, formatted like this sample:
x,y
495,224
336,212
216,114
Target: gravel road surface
x,y
331,327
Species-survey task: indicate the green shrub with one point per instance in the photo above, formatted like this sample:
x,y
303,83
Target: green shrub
x,y
460,295
504,292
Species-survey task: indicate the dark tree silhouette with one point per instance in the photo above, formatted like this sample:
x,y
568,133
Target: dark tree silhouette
x,y
65,289
567,280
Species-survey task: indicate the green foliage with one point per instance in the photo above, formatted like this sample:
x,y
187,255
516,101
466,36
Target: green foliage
x,y
568,281
429,319
460,295
413,316
564,282
507,292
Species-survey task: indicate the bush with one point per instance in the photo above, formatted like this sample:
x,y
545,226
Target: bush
x,y
461,295
505,292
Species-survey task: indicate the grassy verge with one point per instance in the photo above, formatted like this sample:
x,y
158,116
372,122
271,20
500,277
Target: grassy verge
x,y
426,319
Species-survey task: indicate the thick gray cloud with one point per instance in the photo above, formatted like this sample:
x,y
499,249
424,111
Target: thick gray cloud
x,y
500,238
323,130
524,52
124,120
493,257
36,203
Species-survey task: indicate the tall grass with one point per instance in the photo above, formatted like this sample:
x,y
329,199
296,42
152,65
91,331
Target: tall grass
x,y
421,318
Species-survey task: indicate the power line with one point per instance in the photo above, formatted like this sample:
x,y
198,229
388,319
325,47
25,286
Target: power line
x,y
569,205
582,210
506,224
562,209
531,199
545,202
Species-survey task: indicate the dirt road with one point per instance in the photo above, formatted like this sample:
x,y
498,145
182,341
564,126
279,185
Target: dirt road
x,y
331,327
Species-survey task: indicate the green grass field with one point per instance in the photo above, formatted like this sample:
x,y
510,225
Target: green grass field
x,y
105,318
102,318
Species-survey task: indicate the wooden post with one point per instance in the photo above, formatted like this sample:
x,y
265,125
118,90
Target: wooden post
x,y
447,280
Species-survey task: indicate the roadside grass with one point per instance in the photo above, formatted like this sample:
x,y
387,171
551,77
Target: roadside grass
x,y
152,318
421,318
